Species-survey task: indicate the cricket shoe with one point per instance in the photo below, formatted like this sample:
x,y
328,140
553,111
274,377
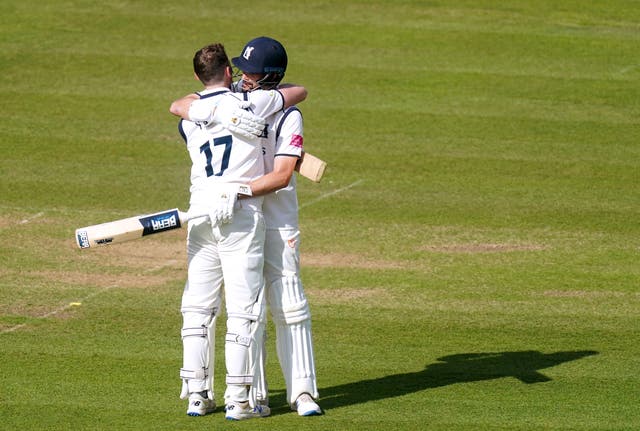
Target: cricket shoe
x,y
199,405
306,406
238,411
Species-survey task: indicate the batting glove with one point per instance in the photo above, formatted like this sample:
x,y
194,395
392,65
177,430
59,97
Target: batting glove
x,y
224,202
230,113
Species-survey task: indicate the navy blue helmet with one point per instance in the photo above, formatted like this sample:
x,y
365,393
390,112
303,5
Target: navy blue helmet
x,y
265,56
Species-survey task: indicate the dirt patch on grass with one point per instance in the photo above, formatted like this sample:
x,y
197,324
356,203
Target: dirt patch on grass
x,y
145,253
7,221
340,260
50,272
481,248
144,261
128,280
140,263
4,222
61,310
348,296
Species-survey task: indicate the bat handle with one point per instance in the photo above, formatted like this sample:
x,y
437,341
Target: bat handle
x,y
186,216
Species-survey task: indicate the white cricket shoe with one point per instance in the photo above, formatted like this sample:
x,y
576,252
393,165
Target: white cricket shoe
x,y
199,405
237,411
306,406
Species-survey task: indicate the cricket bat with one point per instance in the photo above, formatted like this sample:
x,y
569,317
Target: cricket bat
x,y
311,167
131,228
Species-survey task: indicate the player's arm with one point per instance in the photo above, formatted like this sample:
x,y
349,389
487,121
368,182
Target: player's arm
x,y
265,103
288,152
292,94
283,169
225,111
180,107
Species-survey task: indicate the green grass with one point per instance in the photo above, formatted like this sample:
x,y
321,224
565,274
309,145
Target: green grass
x,y
471,256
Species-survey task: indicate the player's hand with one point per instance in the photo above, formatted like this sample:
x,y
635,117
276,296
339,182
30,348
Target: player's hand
x,y
231,114
224,201
222,209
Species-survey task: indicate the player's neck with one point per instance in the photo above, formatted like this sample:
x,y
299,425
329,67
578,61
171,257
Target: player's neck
x,y
216,86
214,89
219,85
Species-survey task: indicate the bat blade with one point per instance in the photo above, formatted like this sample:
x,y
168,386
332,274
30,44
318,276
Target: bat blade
x,y
311,167
130,228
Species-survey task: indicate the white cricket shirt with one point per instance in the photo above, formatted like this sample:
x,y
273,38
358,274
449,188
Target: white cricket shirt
x,y
221,157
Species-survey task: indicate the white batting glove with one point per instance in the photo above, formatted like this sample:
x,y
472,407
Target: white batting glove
x,y
222,210
224,201
230,113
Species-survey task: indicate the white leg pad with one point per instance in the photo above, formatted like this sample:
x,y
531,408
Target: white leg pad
x,y
295,352
243,346
294,343
198,340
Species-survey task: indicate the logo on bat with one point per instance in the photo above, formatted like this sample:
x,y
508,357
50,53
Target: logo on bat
x,y
160,222
83,239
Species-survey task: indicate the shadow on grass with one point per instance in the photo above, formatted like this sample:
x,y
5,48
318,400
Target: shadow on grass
x,y
452,369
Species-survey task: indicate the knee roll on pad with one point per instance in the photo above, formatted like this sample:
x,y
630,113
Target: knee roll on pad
x,y
241,325
291,314
196,317
297,313
201,331
288,302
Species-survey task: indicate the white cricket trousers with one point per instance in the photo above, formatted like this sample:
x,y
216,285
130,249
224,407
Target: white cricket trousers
x,y
291,315
229,255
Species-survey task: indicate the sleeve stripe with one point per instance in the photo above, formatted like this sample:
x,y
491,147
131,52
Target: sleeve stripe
x,y
181,131
286,155
281,98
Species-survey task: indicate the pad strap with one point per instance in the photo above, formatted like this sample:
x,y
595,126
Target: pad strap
x,y
193,374
252,317
201,331
200,310
239,380
238,339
